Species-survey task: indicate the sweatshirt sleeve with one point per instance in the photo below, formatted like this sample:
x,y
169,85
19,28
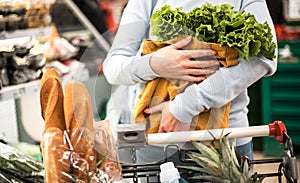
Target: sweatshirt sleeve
x,y
124,63
227,83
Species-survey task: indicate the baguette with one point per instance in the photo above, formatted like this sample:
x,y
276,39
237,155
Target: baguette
x,y
51,100
56,156
80,126
54,149
78,107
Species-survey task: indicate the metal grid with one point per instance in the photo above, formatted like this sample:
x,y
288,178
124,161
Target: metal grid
x,y
149,172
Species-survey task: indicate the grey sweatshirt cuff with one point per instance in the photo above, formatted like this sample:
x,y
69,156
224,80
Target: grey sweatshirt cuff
x,y
183,106
141,69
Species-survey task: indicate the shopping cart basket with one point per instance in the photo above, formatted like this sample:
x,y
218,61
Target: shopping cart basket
x,y
133,137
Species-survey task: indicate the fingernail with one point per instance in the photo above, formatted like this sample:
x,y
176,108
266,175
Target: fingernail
x,y
147,110
213,52
189,38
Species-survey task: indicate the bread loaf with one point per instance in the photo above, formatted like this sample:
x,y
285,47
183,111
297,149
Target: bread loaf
x,y
51,100
54,149
80,126
68,142
56,156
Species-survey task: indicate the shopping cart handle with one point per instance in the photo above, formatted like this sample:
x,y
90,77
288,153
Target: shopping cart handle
x,y
277,129
130,135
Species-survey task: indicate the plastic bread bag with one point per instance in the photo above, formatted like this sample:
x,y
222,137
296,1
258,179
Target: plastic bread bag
x,y
107,151
94,162
70,150
56,156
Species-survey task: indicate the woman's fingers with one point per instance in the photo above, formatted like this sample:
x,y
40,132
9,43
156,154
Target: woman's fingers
x,y
198,53
193,54
200,72
154,109
192,75
168,122
195,79
201,64
169,62
181,43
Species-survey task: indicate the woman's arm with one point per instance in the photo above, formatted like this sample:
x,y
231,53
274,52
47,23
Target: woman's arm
x,y
123,64
227,83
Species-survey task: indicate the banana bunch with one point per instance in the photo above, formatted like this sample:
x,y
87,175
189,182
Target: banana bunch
x,y
220,164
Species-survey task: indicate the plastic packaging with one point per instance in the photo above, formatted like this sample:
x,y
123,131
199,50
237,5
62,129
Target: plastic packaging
x,y
99,164
17,167
105,146
169,174
73,149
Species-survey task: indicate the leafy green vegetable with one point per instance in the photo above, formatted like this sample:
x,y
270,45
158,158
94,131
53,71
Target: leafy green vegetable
x,y
219,24
16,167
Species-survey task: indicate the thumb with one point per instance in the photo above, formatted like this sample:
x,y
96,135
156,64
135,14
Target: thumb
x,y
154,109
182,43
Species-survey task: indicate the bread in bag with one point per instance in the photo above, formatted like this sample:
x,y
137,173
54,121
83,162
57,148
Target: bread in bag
x,y
80,126
55,150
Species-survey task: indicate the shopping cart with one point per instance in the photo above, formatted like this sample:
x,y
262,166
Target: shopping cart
x,y
133,137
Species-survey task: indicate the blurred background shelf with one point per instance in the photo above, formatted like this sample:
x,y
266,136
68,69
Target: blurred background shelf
x,y
17,91
32,32
281,97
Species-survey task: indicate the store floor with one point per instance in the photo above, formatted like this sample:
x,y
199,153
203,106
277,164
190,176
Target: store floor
x,y
270,168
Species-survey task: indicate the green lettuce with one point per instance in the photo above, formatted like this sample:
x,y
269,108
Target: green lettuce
x,y
219,24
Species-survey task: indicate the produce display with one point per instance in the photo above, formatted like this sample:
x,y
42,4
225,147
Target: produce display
x,y
75,150
23,14
16,167
218,24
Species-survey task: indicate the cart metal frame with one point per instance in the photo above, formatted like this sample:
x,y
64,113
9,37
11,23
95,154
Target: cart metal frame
x,y
149,172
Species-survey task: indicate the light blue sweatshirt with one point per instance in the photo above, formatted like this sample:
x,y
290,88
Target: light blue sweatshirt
x,y
124,64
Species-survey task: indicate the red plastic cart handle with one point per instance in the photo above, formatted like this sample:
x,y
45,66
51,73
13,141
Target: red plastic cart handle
x,y
277,130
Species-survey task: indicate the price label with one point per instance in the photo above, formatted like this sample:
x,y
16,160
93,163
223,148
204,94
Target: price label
x,y
18,93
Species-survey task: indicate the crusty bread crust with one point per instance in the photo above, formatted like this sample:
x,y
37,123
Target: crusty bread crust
x,y
80,127
54,148
51,100
68,142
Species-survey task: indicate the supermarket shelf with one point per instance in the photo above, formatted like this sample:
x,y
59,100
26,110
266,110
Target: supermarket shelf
x,y
17,91
33,32
84,20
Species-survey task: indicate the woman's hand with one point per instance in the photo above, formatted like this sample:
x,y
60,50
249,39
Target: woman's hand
x,y
171,62
168,122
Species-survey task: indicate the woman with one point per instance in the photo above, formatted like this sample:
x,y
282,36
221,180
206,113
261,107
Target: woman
x,y
125,65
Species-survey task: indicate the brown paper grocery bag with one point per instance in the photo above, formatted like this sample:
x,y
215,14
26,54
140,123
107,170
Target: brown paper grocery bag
x,y
161,89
